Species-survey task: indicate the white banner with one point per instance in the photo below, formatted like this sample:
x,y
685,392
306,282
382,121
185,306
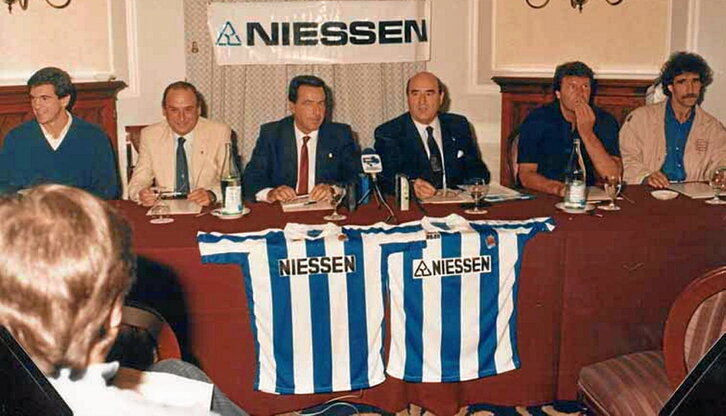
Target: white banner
x,y
320,32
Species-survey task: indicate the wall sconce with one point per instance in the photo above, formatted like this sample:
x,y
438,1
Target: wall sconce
x,y
576,4
24,4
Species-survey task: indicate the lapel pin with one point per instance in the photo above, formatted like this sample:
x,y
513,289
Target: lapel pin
x,y
330,155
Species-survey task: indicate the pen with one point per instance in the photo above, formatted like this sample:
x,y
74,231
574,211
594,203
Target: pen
x,y
625,197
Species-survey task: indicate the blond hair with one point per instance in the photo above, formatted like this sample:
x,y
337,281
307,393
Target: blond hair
x,y
65,259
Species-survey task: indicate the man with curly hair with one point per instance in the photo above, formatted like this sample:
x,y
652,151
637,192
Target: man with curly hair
x,y
675,140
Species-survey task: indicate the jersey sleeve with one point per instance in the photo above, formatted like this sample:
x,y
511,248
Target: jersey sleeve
x,y
216,248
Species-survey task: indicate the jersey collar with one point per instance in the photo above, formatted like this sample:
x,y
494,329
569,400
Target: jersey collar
x,y
295,231
450,224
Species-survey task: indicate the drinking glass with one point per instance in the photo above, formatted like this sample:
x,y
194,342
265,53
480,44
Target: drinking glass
x,y
613,185
160,212
717,181
478,189
335,198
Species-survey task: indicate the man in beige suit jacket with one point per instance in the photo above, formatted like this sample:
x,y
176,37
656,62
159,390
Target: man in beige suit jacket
x,y
203,142
675,140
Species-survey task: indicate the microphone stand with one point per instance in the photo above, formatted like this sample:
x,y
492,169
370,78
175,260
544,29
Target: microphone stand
x,y
378,195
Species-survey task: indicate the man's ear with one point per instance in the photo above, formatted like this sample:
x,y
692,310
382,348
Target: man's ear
x,y
291,106
557,94
117,312
670,88
65,101
99,350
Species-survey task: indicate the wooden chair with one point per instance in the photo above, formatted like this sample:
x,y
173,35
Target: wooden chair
x,y
133,143
640,383
511,155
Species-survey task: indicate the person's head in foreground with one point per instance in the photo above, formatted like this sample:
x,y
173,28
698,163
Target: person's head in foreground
x,y
65,267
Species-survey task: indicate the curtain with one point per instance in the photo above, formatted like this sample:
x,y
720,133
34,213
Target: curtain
x,y
246,96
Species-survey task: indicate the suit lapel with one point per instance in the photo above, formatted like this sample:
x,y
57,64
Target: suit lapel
x,y
321,152
198,149
448,148
168,150
288,150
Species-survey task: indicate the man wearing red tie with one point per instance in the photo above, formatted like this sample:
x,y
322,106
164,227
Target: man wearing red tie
x,y
304,153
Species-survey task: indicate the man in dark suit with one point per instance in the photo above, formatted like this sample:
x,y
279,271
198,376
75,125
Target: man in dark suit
x,y
303,153
429,147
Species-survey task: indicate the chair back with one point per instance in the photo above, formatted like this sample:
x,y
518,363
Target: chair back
x,y
133,144
142,317
695,322
512,152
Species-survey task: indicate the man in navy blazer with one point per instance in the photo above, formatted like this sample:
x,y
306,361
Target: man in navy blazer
x,y
303,153
405,142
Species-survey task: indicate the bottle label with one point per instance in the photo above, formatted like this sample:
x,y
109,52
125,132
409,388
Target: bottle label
x,y
403,193
575,195
232,199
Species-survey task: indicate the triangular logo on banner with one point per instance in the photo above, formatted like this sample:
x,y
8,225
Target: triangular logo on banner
x,y
422,270
228,36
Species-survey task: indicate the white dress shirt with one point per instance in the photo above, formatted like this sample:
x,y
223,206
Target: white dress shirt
x,y
53,141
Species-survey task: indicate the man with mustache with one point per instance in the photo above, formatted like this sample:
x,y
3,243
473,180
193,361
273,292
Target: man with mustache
x,y
433,149
302,154
675,140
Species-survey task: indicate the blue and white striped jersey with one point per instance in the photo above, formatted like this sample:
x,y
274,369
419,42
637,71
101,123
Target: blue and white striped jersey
x,y
315,296
453,299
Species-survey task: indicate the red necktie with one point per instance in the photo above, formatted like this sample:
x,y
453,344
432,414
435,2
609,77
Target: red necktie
x,y
302,176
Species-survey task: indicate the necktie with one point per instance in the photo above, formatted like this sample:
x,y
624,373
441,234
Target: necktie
x,y
182,169
435,158
302,176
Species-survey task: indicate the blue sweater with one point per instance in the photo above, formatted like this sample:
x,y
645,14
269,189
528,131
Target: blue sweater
x,y
84,159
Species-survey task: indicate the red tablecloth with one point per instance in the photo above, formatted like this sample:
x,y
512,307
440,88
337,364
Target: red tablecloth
x,y
592,289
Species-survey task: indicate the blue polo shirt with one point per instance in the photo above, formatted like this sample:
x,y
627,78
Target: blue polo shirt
x,y
545,138
676,134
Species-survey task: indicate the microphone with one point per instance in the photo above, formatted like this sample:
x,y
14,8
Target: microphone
x,y
372,165
371,162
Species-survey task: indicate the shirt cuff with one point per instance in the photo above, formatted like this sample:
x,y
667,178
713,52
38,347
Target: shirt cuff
x,y
261,196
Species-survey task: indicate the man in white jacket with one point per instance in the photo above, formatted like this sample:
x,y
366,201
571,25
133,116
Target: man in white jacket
x,y
675,140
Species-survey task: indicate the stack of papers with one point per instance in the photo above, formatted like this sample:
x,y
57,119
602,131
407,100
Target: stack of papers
x,y
497,193
596,194
181,206
695,190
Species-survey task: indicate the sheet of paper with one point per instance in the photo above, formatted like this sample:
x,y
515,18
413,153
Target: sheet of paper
x,y
181,206
498,190
695,190
165,388
304,203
